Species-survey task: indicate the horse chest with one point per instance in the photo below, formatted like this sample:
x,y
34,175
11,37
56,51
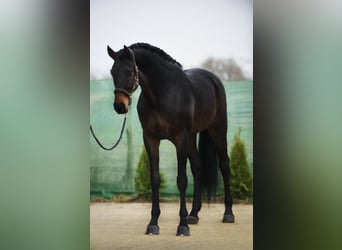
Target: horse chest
x,y
163,122
159,126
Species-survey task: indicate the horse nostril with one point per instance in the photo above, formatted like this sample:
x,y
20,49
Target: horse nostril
x,y
120,108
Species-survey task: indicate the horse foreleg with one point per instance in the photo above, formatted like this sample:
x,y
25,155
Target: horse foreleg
x,y
152,148
182,183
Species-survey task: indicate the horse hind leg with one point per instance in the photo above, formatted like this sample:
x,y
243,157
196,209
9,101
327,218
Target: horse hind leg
x,y
195,168
220,141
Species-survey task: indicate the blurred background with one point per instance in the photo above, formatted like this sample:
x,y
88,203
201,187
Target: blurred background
x,y
45,156
190,31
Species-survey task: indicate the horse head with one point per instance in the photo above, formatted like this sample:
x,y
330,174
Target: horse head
x,y
125,75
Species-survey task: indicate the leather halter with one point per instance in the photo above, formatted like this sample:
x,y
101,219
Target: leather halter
x,y
136,80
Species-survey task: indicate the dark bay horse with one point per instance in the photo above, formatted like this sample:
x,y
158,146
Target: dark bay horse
x,y
176,105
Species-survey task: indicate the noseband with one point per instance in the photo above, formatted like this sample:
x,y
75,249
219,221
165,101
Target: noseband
x,y
136,80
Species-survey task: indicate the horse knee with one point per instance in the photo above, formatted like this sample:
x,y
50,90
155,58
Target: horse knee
x,y
182,182
155,181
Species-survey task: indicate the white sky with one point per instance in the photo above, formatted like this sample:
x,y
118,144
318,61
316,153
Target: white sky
x,y
189,31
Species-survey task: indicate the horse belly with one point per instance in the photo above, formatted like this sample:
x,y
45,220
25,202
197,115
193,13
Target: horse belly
x,y
202,120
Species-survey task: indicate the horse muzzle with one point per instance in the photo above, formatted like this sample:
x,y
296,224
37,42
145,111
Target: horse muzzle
x,y
121,103
120,108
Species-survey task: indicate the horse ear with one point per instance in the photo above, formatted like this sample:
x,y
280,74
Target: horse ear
x,y
111,53
127,51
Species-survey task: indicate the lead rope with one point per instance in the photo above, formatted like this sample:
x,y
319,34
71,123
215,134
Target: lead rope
x,y
135,86
112,147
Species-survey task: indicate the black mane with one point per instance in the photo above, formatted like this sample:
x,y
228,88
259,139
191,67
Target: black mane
x,y
161,53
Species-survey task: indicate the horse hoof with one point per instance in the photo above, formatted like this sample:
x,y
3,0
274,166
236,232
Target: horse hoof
x,y
152,230
192,219
183,231
228,218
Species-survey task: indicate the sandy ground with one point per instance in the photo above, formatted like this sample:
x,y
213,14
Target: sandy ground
x,y
122,226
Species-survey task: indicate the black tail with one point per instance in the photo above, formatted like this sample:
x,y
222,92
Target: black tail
x,y
209,169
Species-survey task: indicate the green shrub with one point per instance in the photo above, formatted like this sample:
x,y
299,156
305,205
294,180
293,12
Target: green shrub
x,y
240,175
142,184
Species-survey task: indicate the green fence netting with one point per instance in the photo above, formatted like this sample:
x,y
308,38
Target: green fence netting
x,y
112,172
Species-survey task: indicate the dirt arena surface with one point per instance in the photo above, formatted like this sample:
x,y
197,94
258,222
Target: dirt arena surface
x,y
122,226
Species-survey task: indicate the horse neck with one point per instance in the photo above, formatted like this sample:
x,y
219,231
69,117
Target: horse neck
x,y
154,74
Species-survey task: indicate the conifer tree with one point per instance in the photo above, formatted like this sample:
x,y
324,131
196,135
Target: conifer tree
x,y
240,175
